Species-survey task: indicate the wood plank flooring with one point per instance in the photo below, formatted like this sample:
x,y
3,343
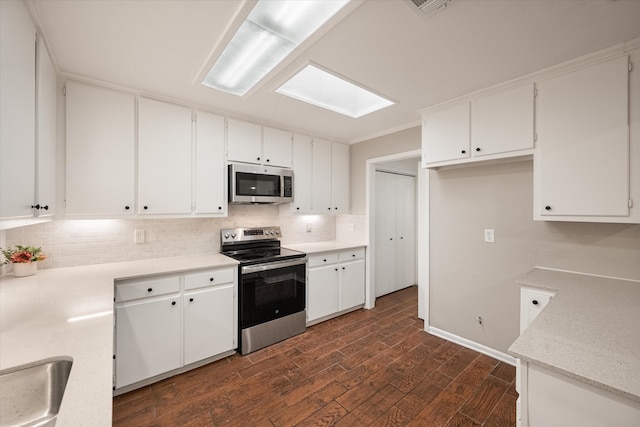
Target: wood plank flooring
x,y
367,368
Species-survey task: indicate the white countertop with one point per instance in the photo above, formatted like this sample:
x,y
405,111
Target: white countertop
x,y
320,247
34,313
589,331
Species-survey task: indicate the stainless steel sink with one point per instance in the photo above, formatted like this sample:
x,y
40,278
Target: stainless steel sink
x,y
31,394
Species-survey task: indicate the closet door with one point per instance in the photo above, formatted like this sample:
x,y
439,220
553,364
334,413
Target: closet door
x,y
385,248
405,192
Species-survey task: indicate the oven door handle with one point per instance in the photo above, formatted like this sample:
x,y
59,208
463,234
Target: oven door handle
x,y
273,265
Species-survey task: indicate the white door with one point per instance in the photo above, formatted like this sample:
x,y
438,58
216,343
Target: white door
x,y
164,158
17,110
208,323
321,176
302,173
351,284
211,176
100,151
405,192
323,292
244,141
148,339
276,147
385,234
340,177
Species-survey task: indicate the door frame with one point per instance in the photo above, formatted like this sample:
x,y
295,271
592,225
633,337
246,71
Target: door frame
x,y
422,228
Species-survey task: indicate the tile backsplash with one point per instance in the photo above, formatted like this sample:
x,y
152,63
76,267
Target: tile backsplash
x,y
69,243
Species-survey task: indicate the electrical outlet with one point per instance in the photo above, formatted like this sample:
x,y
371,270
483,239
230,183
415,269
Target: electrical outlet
x,y
138,237
489,235
308,227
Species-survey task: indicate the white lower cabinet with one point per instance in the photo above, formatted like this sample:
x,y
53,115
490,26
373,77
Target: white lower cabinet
x,y
166,323
335,283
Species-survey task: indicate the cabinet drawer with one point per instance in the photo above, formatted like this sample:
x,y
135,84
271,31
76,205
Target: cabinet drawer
x,y
130,290
323,259
352,255
208,278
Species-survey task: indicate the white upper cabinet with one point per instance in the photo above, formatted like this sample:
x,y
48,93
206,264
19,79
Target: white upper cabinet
x,y
45,133
581,172
340,177
17,110
100,151
244,141
211,177
302,173
277,150
164,158
445,134
503,122
252,143
321,188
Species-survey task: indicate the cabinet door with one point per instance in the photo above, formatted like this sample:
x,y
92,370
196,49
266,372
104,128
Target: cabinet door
x,y
45,133
351,284
321,192
148,339
502,122
244,142
532,302
17,110
405,206
582,164
208,323
302,173
445,134
385,232
100,151
340,177
164,158
276,147
323,292
211,176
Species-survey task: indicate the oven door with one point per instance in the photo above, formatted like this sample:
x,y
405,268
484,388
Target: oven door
x,y
272,290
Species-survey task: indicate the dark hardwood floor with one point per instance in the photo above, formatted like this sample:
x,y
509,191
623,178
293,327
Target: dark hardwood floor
x,y
367,368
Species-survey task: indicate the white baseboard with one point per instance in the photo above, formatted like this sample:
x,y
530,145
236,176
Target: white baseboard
x,y
503,357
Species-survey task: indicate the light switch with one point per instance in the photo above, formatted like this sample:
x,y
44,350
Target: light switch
x,y
489,236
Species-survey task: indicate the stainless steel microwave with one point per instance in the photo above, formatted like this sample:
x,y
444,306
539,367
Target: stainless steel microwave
x,y
259,184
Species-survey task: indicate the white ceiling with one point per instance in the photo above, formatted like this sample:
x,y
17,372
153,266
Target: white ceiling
x,y
161,48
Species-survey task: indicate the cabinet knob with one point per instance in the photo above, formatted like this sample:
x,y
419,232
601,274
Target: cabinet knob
x,y
173,303
146,207
258,158
336,208
298,208
324,260
150,290
35,206
45,207
344,268
401,238
464,151
268,160
190,299
219,208
211,279
336,269
391,238
534,302
353,255
329,208
547,208
477,148
126,208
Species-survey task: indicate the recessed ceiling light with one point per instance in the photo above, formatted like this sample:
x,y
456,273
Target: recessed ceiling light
x,y
273,29
322,89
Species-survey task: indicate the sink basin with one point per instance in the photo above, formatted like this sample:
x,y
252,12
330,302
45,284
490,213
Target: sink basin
x,y
31,394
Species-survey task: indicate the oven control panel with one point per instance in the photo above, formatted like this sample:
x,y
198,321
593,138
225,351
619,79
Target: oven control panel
x,y
233,235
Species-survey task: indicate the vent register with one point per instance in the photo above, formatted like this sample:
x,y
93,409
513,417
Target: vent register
x,y
429,7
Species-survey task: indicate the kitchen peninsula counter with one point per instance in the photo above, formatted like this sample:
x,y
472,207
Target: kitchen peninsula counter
x,y
69,312
588,331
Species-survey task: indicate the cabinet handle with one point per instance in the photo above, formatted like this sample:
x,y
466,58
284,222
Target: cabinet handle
x,y
150,290
146,207
547,208
173,303
477,148
464,151
534,302
126,208
190,299
211,279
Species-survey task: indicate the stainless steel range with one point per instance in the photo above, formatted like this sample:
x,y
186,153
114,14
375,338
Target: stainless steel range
x,y
271,286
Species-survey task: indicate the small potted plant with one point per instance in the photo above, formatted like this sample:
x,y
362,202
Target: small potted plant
x,y
24,259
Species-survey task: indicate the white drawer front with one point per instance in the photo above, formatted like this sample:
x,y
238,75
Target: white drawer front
x,y
209,278
130,290
323,259
352,255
